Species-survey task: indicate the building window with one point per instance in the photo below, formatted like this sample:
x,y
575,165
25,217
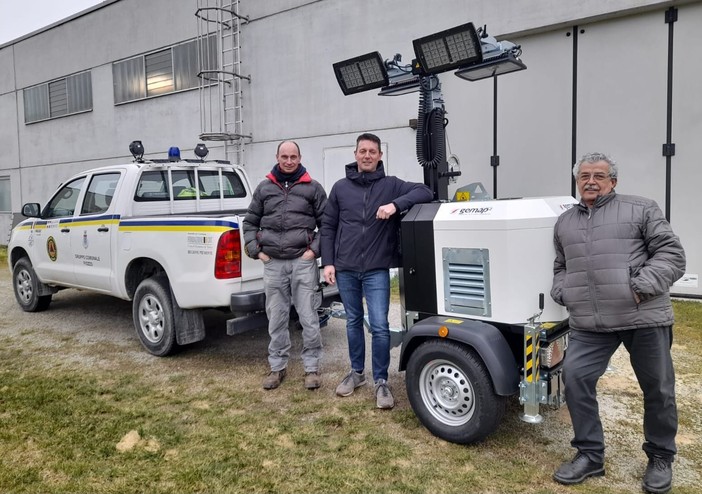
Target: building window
x,y
5,206
163,71
65,96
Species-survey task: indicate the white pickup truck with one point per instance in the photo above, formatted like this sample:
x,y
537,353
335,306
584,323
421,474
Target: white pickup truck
x,y
165,234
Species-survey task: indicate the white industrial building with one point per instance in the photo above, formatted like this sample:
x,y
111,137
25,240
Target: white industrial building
x,y
617,76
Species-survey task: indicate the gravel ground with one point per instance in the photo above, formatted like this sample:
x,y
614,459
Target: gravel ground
x,y
95,331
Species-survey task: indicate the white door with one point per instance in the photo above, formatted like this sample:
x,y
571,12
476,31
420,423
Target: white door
x,y
51,246
92,232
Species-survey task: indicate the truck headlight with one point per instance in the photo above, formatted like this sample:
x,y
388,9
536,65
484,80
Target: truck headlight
x,y
553,354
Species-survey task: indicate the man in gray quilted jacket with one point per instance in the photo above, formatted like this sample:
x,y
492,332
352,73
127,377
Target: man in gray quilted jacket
x,y
616,258
280,229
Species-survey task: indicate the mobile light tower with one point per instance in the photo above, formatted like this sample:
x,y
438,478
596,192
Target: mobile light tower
x,y
471,52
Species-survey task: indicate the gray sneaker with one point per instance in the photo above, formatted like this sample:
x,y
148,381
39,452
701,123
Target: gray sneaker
x,y
352,381
383,395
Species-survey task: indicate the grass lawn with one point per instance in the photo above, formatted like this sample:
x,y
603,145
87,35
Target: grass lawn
x,y
80,416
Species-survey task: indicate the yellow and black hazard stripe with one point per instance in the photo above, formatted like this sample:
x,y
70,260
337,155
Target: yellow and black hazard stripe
x,y
531,356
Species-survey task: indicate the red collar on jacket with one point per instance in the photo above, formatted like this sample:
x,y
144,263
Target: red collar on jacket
x,y
305,178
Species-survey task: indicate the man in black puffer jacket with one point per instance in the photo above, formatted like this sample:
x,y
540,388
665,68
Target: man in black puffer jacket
x,y
616,258
359,245
280,229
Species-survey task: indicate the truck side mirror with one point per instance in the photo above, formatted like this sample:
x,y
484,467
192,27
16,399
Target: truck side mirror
x,y
31,210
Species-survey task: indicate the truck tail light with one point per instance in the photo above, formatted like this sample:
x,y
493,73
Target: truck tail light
x,y
228,256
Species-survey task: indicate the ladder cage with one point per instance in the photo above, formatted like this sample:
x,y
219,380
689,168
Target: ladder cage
x,y
221,81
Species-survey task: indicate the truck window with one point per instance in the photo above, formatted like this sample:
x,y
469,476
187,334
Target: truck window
x,y
153,185
100,192
231,184
64,201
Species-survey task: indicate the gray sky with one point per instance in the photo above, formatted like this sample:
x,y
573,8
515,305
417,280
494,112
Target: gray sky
x,y
19,17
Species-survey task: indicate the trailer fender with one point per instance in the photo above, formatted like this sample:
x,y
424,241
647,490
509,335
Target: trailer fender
x,y
485,339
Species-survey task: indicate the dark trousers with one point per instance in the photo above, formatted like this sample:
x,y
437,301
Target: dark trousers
x,y
649,352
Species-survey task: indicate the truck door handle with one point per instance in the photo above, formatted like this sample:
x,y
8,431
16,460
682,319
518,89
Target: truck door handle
x,y
103,229
65,230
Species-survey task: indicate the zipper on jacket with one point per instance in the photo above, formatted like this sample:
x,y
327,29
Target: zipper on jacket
x,y
363,228
590,283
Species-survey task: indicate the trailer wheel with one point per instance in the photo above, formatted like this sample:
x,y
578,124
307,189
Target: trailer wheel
x,y
152,310
451,392
26,286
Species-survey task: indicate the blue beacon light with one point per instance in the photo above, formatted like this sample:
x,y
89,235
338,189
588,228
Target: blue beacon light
x,y
173,154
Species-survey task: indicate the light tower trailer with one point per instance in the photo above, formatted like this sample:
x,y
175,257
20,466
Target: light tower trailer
x,y
478,323
475,275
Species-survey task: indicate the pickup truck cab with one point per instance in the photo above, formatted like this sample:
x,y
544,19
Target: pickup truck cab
x,y
165,234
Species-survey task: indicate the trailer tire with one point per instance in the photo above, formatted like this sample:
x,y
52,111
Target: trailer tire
x,y
451,392
26,287
152,310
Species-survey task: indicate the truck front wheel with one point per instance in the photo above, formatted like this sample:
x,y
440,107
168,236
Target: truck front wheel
x,y
27,289
451,392
152,309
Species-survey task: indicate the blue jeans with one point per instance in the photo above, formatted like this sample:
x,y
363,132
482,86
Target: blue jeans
x,y
375,286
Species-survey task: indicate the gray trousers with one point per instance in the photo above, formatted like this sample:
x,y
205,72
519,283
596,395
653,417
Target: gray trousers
x,y
292,282
649,353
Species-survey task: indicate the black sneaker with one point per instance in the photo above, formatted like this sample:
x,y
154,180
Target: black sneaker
x,y
579,469
659,475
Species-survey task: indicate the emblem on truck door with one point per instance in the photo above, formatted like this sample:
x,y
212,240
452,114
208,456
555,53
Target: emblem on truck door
x,y
51,248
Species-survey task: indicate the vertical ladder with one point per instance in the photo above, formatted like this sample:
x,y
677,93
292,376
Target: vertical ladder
x,y
221,96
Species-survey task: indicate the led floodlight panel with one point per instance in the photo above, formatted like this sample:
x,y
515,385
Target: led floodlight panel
x,y
361,73
490,68
447,50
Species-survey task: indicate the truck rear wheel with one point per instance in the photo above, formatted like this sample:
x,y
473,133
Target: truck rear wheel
x,y
26,286
451,392
152,310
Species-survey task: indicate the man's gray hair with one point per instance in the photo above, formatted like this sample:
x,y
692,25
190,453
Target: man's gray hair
x,y
594,158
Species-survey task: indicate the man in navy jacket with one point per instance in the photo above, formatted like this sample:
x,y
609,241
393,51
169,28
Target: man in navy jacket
x,y
359,246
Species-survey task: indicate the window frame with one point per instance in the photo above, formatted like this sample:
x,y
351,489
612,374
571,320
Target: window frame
x,y
73,102
138,80
8,195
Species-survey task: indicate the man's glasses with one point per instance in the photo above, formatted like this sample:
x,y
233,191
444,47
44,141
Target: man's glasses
x,y
597,177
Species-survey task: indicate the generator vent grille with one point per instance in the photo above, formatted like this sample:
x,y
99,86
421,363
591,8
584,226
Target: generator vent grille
x,y
467,281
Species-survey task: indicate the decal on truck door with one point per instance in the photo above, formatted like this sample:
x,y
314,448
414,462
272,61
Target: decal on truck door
x,y
51,248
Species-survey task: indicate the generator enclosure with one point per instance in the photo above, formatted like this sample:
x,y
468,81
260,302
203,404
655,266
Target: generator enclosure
x,y
486,260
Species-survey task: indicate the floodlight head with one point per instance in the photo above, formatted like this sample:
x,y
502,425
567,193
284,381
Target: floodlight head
x,y
361,73
490,68
201,151
137,150
448,50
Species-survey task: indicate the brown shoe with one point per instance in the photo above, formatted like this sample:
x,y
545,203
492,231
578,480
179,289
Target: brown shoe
x,y
312,380
274,379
